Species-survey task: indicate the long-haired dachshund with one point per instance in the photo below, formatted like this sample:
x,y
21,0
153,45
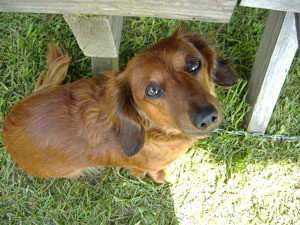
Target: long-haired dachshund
x,y
143,118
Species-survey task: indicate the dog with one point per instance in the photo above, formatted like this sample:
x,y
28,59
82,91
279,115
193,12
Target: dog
x,y
143,118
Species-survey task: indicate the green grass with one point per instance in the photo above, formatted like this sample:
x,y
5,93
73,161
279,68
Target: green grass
x,y
231,177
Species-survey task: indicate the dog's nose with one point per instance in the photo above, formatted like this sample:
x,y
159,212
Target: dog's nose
x,y
205,117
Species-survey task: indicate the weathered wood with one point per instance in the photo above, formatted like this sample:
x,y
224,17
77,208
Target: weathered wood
x,y
98,37
116,24
275,55
297,21
217,10
106,64
281,5
93,34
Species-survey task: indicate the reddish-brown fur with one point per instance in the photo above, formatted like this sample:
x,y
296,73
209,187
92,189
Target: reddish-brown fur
x,y
59,130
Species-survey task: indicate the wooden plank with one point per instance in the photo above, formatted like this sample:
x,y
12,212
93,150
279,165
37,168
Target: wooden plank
x,y
108,64
281,5
297,18
93,34
104,64
116,24
217,10
275,55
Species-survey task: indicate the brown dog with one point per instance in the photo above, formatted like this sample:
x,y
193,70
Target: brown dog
x,y
143,118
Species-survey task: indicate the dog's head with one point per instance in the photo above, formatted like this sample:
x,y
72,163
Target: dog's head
x,y
170,87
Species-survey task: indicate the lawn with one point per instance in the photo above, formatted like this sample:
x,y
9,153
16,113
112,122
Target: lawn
x,y
231,177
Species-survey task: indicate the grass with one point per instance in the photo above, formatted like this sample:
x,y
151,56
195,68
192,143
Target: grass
x,y
231,177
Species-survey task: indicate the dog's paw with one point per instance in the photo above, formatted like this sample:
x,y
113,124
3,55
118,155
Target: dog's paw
x,y
138,173
161,176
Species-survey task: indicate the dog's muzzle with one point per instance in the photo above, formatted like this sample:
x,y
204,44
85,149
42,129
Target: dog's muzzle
x,y
205,118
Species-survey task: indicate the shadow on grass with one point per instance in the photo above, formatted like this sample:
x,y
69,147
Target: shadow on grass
x,y
105,196
236,151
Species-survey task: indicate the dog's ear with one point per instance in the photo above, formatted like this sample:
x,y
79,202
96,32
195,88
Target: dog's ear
x,y
223,75
131,136
221,72
129,130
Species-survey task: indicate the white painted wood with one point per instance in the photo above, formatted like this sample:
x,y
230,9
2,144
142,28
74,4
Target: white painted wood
x,y
104,64
297,18
281,5
216,10
275,55
93,34
107,64
116,24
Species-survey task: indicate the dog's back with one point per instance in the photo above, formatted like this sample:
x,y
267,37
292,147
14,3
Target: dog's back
x,y
38,131
27,116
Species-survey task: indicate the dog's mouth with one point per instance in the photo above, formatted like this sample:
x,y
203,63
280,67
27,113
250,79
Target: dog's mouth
x,y
195,127
201,133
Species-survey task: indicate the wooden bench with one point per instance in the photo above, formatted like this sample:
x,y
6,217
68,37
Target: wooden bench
x,y
102,21
274,58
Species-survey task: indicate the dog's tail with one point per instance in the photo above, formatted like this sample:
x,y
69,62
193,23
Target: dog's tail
x,y
58,62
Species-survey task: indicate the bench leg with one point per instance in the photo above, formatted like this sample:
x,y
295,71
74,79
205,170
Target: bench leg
x,y
103,64
273,60
98,37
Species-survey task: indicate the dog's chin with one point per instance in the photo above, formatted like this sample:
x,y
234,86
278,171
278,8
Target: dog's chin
x,y
201,133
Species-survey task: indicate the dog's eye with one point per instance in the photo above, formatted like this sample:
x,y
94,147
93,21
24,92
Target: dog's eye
x,y
193,65
153,90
